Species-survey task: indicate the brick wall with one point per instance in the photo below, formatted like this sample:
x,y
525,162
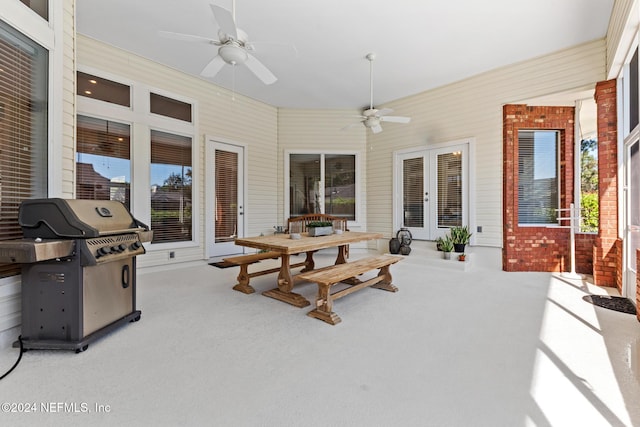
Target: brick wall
x,y
607,254
638,284
537,248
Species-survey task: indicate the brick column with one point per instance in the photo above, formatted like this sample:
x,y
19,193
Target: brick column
x,y
535,248
607,256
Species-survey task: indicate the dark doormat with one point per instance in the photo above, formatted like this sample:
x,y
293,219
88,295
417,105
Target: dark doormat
x,y
222,264
621,304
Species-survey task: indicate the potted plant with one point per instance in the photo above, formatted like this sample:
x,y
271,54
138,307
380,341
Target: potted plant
x,y
462,257
320,228
447,246
460,237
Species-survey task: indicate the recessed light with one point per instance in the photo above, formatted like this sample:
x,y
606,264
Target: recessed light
x,y
93,81
87,92
121,139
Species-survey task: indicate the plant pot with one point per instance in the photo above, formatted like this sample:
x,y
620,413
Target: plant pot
x,y
446,255
394,246
462,257
459,247
405,249
320,231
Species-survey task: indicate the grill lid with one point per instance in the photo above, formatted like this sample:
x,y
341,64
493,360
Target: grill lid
x,y
70,218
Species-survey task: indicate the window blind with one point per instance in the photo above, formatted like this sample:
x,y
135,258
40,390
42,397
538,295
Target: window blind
x,y
537,177
171,178
103,167
413,191
226,217
23,129
450,189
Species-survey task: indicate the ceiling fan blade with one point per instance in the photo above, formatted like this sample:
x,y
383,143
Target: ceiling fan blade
x,y
395,119
187,37
225,21
212,68
384,111
376,129
349,126
260,70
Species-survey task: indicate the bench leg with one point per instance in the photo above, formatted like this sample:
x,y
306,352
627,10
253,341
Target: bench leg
x,y
385,282
324,306
243,281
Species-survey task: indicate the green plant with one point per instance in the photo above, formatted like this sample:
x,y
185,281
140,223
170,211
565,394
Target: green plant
x,y
460,235
446,244
319,224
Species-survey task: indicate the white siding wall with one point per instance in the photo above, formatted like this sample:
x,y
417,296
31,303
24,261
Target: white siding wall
x,y
218,116
321,130
622,27
472,108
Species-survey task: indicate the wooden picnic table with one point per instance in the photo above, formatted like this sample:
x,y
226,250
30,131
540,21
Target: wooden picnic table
x,y
283,244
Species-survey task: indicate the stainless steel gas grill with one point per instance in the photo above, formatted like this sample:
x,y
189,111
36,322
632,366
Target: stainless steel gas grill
x,y
78,270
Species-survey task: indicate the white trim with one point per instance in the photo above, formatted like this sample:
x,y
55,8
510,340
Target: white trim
x,y
210,143
32,25
468,188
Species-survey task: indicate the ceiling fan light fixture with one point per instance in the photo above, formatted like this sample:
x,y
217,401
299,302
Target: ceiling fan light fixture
x,y
232,54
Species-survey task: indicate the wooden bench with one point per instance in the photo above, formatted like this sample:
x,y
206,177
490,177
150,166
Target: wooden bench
x,y
244,261
328,276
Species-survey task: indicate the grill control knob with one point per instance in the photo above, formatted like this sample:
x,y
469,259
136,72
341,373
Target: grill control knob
x,y
103,251
122,247
135,245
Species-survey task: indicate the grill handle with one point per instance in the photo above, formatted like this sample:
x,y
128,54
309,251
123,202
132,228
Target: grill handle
x,y
125,276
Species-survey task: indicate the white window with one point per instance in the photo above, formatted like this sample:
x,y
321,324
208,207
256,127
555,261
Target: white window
x,y
538,184
323,183
24,69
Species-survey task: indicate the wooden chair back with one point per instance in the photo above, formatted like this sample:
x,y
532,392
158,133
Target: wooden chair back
x,y
304,220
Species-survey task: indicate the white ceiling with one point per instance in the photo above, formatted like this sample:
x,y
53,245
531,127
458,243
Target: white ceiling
x,y
420,44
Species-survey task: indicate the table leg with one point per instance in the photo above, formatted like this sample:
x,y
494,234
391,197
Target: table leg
x,y
341,259
285,285
309,262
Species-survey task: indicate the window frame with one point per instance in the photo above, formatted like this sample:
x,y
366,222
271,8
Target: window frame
x,y
558,174
322,153
142,122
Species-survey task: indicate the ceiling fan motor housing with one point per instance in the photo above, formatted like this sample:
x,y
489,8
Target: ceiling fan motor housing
x,y
232,54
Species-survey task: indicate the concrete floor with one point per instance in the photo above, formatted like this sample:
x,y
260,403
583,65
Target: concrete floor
x,y
458,345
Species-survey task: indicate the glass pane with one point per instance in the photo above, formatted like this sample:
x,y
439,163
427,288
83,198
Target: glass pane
x,y
413,192
449,189
170,107
304,184
103,89
226,218
589,202
634,203
41,7
171,174
103,162
340,185
633,92
537,177
23,129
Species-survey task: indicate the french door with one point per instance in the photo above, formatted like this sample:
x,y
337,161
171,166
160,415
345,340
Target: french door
x,y
431,195
632,240
228,198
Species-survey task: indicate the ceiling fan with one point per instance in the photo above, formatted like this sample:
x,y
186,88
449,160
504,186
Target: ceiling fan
x,y
234,46
372,117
